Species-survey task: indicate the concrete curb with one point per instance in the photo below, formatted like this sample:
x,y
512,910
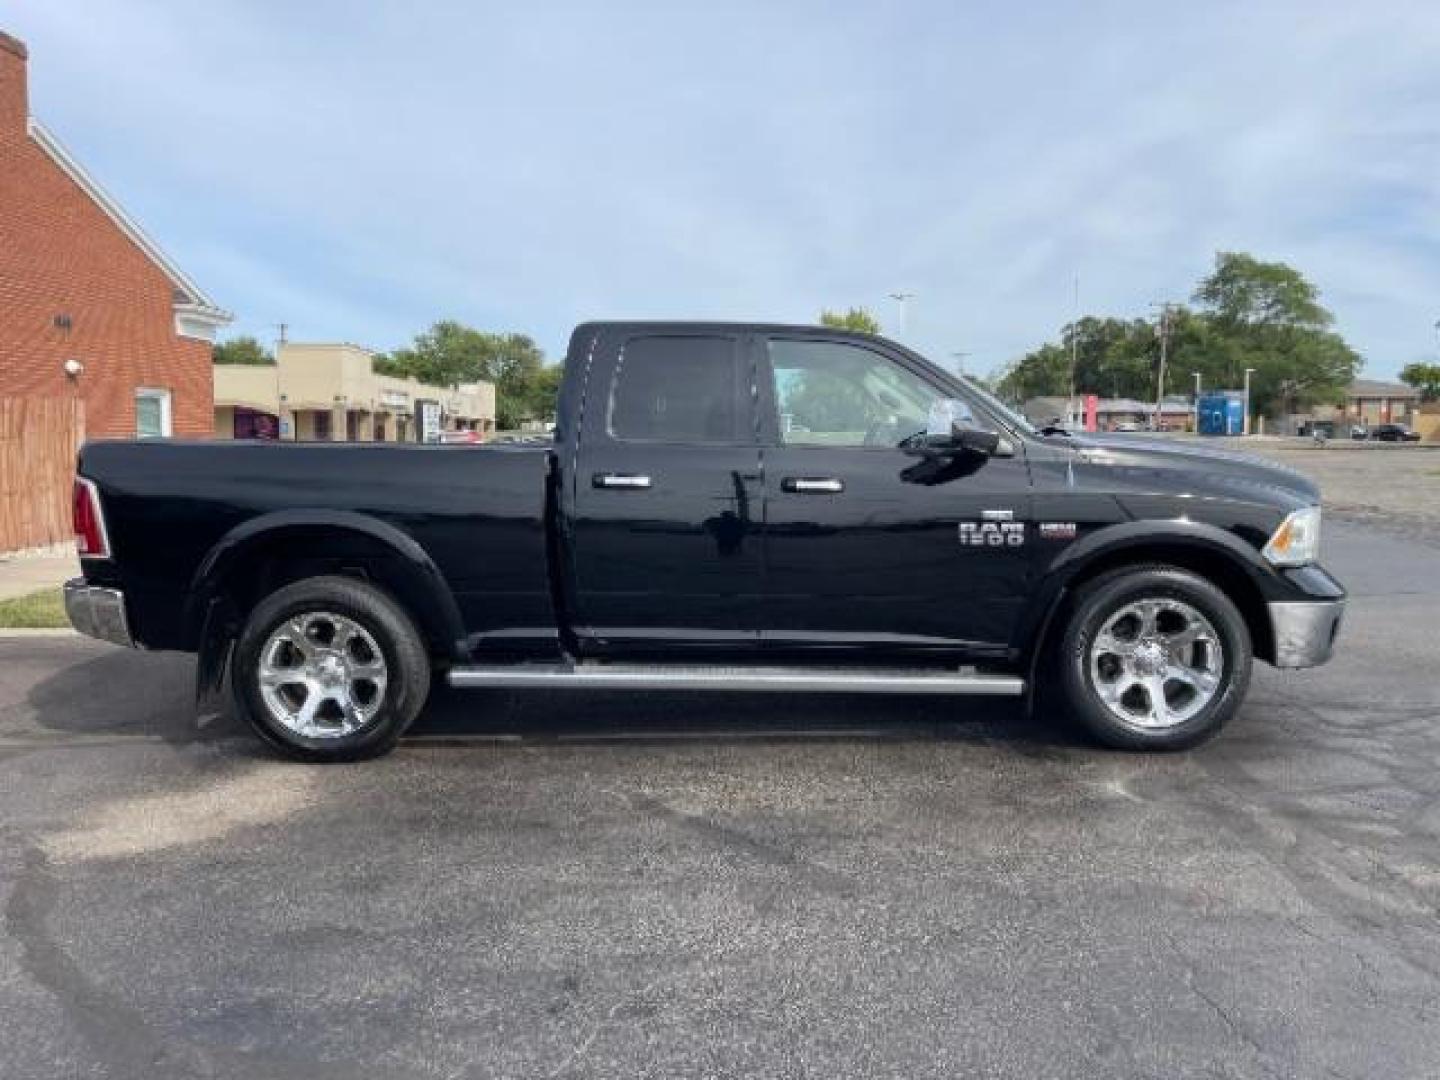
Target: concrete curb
x,y
37,632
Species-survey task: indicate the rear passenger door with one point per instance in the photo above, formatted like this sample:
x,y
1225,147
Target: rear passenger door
x,y
666,552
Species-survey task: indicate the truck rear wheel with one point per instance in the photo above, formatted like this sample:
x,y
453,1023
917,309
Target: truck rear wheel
x,y
330,669
1154,658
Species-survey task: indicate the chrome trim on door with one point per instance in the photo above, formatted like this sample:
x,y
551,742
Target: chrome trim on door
x,y
808,484
627,481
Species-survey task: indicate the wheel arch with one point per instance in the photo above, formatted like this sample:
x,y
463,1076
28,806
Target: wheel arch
x,y
265,553
1218,556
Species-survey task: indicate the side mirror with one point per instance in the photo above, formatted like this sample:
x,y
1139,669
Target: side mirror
x,y
952,430
968,439
973,440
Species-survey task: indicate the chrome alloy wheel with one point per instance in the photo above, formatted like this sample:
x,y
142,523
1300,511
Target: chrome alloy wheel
x,y
1156,663
322,675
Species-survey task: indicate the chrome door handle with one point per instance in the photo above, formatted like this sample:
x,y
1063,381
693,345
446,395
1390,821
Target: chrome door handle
x,y
812,484
628,481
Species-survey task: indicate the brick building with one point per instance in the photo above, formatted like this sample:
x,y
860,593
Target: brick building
x,y
83,288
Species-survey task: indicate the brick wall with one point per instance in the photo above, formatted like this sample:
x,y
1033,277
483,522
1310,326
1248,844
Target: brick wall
x,y
61,254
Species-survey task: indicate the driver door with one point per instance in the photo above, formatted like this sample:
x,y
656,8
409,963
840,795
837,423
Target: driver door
x,y
863,541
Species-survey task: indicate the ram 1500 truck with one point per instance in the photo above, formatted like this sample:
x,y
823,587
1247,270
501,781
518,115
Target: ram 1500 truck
x,y
724,506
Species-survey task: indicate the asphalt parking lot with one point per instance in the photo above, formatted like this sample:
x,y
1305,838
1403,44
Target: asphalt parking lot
x,y
728,886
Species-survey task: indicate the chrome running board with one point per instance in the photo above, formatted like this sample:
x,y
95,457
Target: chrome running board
x,y
601,676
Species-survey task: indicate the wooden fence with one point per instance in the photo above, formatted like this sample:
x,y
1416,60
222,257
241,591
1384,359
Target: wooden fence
x,y
38,440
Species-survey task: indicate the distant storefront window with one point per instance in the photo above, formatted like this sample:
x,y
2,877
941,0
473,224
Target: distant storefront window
x,y
254,424
322,426
152,413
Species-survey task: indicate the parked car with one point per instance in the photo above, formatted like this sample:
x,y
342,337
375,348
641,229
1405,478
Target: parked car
x,y
723,507
1126,426
1395,433
1359,431
463,438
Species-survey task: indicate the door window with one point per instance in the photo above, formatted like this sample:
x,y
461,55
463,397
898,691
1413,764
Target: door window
x,y
678,390
152,413
828,393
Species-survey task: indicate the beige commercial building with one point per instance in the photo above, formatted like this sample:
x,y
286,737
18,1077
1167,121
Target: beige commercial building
x,y
332,393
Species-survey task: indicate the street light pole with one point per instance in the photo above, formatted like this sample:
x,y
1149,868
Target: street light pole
x,y
1197,401
959,358
903,299
1245,430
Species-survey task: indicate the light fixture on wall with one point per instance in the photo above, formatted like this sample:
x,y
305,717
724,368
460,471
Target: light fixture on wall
x,y
73,368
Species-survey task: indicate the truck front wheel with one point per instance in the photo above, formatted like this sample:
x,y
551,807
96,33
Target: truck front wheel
x,y
1154,658
330,669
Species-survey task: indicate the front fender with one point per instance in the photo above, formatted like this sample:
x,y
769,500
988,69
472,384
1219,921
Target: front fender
x,y
1146,541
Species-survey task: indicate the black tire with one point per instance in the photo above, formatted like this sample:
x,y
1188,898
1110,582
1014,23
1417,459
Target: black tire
x,y
406,667
1099,601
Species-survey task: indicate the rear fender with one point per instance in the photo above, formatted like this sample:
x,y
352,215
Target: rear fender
x,y
210,622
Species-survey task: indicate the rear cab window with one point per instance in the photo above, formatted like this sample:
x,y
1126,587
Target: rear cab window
x,y
679,389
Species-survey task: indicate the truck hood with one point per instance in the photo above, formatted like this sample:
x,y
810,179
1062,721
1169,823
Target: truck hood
x,y
1198,467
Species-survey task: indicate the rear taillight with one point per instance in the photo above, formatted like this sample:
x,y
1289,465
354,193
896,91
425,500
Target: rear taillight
x,y
90,538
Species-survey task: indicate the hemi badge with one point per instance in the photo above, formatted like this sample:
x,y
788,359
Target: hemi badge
x,y
997,515
1057,530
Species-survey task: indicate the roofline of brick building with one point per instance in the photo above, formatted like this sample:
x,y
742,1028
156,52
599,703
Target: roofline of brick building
x,y
195,302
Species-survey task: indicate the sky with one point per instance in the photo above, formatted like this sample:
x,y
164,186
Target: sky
x,y
360,170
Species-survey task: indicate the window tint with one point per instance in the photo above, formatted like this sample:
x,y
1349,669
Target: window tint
x,y
677,389
832,394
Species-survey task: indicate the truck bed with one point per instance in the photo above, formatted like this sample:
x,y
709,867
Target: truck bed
x,y
477,512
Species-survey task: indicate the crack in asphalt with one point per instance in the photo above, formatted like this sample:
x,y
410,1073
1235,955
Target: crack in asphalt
x,y
1310,849
1191,981
127,1044
118,1034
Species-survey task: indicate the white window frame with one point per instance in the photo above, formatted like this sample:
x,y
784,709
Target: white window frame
x,y
163,396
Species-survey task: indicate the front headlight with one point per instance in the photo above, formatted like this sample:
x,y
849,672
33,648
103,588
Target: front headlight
x,y
1297,541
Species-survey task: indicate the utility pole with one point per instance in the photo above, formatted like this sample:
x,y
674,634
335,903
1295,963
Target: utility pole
x,y
1197,401
1245,429
903,299
959,358
1164,331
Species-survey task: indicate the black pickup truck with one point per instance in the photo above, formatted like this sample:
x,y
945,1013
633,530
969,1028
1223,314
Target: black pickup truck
x,y
724,507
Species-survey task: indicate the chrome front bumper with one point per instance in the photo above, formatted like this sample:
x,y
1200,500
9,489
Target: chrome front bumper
x,y
97,612
1305,631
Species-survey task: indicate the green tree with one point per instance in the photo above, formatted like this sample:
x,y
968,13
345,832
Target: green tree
x,y
241,350
856,318
544,391
1424,377
1266,316
1249,314
450,353
1244,291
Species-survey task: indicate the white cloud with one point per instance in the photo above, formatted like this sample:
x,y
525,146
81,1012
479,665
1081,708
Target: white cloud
x,y
358,172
